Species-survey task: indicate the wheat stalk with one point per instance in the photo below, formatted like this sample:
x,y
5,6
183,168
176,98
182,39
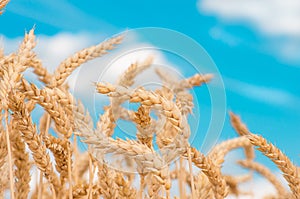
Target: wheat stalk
x,y
265,172
75,172
48,101
28,130
21,161
3,147
127,77
233,183
212,172
242,130
80,57
59,148
218,152
3,3
290,172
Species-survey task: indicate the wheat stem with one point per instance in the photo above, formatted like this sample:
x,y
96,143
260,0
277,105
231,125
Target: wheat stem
x,y
181,178
75,148
90,177
40,185
142,184
69,170
43,133
53,191
191,172
3,3
265,172
10,164
290,172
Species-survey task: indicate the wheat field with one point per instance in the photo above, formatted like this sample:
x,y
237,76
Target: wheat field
x,y
160,159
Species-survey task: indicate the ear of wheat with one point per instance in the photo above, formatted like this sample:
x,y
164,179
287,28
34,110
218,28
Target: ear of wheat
x,y
158,155
3,3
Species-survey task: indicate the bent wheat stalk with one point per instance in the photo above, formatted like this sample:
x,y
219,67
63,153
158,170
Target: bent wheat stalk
x,y
212,172
290,172
3,3
264,171
82,56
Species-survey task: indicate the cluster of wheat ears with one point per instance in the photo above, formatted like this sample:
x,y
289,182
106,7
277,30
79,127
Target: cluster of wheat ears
x,y
64,172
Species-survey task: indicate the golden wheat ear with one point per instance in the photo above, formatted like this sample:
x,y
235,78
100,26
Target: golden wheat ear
x,y
3,3
212,171
23,121
64,70
290,171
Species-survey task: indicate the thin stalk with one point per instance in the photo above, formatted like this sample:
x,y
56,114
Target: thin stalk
x,y
181,179
142,182
11,180
191,172
53,191
75,148
69,171
91,176
40,188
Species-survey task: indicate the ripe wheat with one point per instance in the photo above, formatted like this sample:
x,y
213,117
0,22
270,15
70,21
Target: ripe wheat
x,y
159,156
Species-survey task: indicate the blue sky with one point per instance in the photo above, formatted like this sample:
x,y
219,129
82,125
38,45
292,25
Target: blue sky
x,y
255,45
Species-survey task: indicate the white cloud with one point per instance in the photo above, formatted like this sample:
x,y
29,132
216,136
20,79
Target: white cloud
x,y
275,17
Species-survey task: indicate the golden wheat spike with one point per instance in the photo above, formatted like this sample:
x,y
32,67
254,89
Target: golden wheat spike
x,y
3,3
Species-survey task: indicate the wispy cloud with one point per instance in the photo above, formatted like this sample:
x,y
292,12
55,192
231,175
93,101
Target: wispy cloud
x,y
268,95
273,17
220,34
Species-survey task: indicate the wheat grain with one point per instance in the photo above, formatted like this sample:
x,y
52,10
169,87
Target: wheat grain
x,y
212,172
143,121
196,80
25,126
106,123
172,103
82,56
48,101
125,190
127,77
290,172
203,187
59,149
81,191
3,3
107,184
